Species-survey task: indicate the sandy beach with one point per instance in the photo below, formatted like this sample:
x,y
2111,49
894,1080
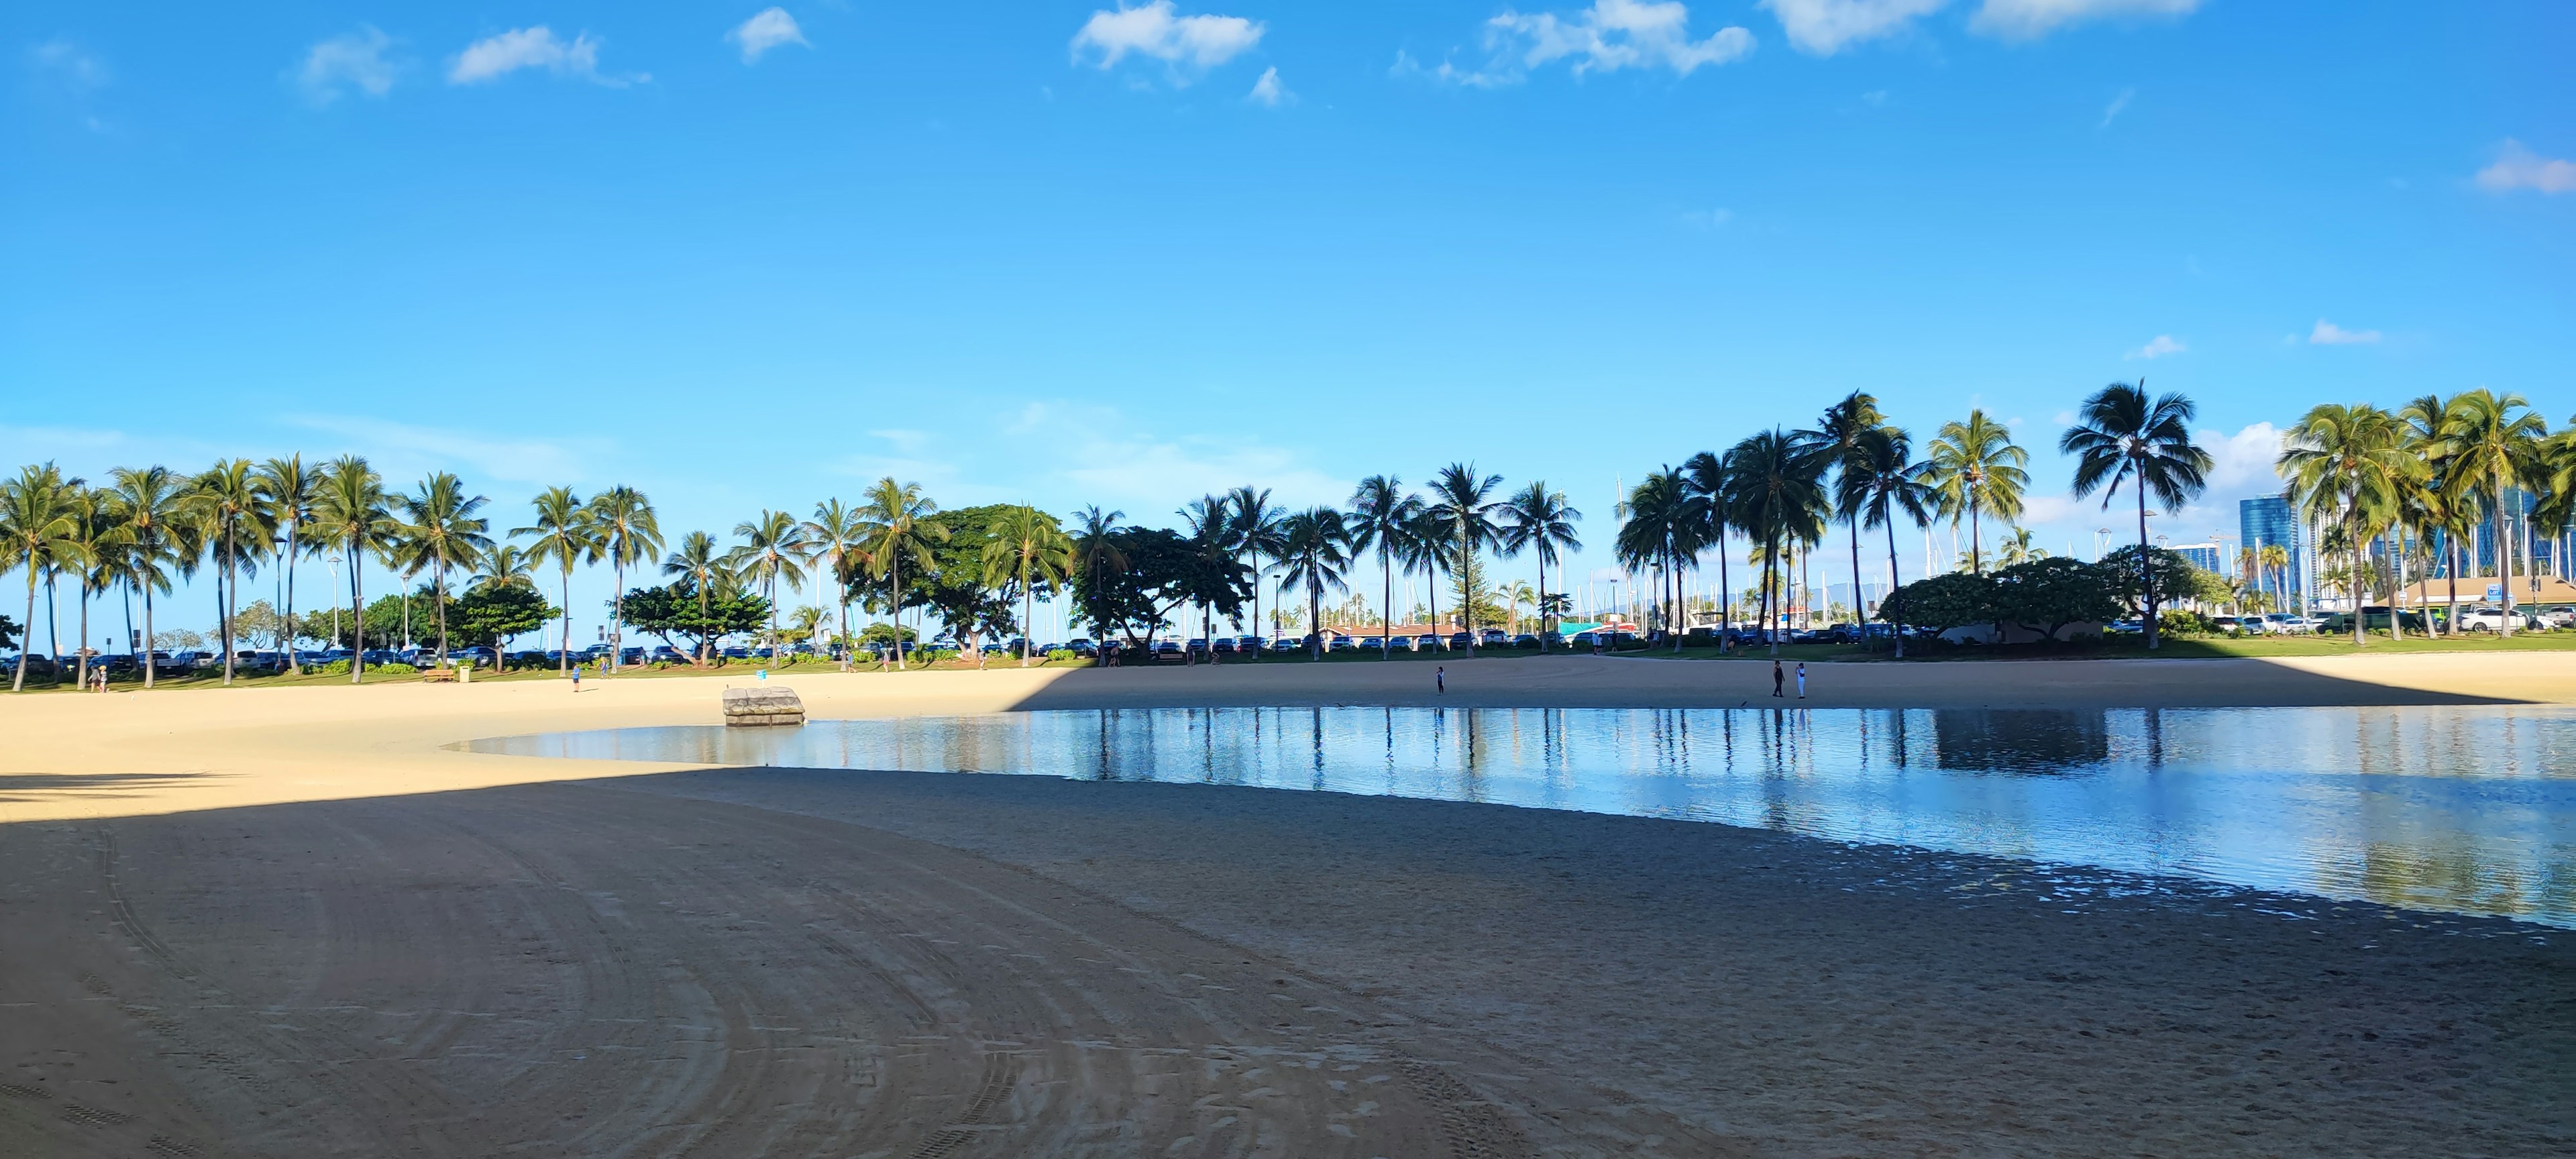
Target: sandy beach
x,y
297,922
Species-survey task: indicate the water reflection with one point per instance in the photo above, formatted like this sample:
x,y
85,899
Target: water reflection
x,y
2469,809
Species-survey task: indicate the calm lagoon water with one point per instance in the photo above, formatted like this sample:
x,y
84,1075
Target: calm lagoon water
x,y
2465,809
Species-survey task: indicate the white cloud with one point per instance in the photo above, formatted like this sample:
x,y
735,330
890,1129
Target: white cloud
x,y
352,61
2329,334
401,450
70,66
771,28
2032,19
1268,91
1708,218
2242,462
1825,27
537,47
1609,36
1189,44
2519,168
2157,347
2119,104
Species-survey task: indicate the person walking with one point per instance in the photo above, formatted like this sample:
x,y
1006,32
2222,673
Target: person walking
x,y
1440,679
1802,680
1776,676
576,679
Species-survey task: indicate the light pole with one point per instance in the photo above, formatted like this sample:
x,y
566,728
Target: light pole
x,y
334,557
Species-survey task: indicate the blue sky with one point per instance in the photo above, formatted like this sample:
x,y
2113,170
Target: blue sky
x,y
1068,254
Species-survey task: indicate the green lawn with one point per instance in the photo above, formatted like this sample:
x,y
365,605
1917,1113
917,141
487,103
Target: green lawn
x,y
2175,648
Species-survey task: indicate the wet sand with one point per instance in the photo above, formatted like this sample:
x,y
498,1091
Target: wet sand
x,y
291,922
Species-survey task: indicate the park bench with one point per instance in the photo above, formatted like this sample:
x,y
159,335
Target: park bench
x,y
439,676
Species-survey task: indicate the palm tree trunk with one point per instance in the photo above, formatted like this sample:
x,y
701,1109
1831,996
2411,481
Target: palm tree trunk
x,y
1859,618
293,666
1725,598
2451,620
1467,591
357,613
563,666
1029,615
2397,582
83,592
148,658
1541,609
1431,592
438,591
1315,617
1896,621
27,635
1386,578
894,602
2503,552
229,597
2147,564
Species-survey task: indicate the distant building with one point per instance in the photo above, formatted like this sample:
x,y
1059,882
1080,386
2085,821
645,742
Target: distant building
x,y
2270,522
2202,555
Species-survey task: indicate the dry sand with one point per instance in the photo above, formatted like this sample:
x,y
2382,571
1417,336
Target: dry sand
x,y
293,922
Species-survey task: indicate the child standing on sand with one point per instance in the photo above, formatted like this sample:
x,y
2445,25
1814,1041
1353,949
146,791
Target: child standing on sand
x,y
1802,680
1440,679
576,679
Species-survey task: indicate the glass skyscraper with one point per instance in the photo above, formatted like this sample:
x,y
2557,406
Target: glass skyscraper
x,y
2269,521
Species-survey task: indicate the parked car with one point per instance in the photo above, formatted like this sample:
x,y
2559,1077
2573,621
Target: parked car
x,y
1493,638
1341,644
1587,639
2479,619
2374,618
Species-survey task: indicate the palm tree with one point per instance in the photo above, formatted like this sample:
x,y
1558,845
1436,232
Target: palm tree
x,y
2122,435
1660,531
440,530
567,536
1030,547
834,533
1778,498
1210,522
2492,443
629,536
1977,469
2274,558
1838,437
1709,476
96,557
1540,520
2017,548
1314,548
697,562
1096,551
2347,466
774,550
1381,517
1257,537
150,503
895,522
1876,484
1425,545
226,503
287,487
40,525
1464,506
349,513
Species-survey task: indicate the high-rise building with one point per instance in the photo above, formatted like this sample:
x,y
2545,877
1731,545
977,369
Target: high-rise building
x,y
2202,555
2270,522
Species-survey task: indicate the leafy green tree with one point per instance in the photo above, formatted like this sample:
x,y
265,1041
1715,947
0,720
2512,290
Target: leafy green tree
x,y
8,632
956,581
683,608
2120,435
1942,602
2165,576
1097,557
1976,469
489,613
1155,570
2046,595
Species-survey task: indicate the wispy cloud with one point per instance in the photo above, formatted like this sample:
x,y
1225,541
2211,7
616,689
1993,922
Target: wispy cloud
x,y
1189,45
2517,167
1707,218
770,28
2119,104
1825,27
2032,19
539,48
1612,35
67,72
354,60
1268,92
400,449
2329,334
2158,347
2242,463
